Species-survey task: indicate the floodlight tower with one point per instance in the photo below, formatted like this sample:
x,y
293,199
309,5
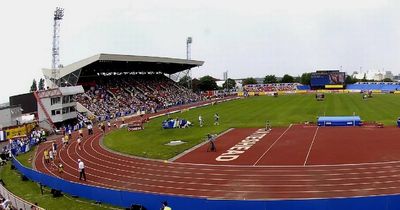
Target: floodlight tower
x,y
189,41
188,47
58,15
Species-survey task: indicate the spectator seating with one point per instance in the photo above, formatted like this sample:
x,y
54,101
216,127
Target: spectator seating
x,y
118,95
271,87
383,86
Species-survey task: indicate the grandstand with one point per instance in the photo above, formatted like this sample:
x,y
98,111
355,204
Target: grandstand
x,y
382,86
117,85
272,87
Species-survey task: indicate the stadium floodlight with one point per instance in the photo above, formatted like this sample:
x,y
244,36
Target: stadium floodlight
x,y
59,13
189,41
55,64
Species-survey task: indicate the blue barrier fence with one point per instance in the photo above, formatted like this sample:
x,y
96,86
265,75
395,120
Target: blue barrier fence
x,y
153,201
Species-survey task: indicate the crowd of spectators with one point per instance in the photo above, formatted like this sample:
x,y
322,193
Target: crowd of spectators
x,y
113,95
18,145
271,87
22,144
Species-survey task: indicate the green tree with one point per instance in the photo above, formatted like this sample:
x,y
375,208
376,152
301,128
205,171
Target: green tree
x,y
297,79
229,84
287,79
387,80
41,84
270,79
305,79
33,86
364,79
207,83
195,85
350,80
184,81
249,81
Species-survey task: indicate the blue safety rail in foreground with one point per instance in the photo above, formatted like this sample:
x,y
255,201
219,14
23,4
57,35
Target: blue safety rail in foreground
x,y
339,121
153,201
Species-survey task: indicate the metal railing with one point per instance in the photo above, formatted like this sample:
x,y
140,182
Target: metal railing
x,y
16,201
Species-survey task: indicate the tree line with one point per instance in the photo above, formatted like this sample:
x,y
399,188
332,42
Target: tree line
x,y
209,83
35,86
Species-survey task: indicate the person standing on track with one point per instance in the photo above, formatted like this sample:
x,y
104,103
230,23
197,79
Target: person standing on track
x,y
81,132
54,148
90,129
60,168
63,142
69,132
103,127
81,169
79,140
51,156
46,156
66,138
211,147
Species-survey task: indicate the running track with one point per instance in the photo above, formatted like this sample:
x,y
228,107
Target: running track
x,y
253,181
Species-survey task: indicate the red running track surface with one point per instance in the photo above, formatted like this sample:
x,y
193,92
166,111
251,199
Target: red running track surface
x,y
330,162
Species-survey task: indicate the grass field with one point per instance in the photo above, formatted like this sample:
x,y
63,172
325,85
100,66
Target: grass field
x,y
250,112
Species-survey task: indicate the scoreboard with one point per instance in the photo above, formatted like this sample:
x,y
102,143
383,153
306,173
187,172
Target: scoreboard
x,y
328,79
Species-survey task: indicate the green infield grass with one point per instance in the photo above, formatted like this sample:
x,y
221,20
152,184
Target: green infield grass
x,y
249,112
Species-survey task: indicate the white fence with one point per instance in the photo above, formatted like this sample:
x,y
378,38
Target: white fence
x,y
16,201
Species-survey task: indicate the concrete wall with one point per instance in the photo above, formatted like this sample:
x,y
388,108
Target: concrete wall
x,y
9,116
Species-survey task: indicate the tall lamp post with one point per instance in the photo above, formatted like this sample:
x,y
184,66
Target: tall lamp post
x,y
189,41
58,16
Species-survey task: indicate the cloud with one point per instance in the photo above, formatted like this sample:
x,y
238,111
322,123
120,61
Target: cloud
x,y
247,38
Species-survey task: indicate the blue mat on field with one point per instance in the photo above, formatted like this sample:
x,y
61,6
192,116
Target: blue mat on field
x,y
339,121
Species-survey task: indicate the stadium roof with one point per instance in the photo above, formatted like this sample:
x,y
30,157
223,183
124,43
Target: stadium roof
x,y
109,63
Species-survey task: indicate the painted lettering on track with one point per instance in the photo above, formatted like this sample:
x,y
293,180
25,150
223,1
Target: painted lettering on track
x,y
234,152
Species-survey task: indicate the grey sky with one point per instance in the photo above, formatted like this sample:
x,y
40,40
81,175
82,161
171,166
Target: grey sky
x,y
247,38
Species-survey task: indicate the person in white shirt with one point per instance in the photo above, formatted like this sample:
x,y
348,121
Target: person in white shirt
x,y
51,155
79,140
90,129
81,169
200,121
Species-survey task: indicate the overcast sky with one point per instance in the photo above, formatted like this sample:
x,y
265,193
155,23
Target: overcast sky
x,y
245,38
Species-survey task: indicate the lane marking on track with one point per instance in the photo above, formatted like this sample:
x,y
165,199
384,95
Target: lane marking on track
x,y
337,190
188,151
279,192
312,143
272,145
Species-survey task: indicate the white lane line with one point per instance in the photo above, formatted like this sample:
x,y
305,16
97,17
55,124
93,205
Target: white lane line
x,y
309,149
199,145
272,145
